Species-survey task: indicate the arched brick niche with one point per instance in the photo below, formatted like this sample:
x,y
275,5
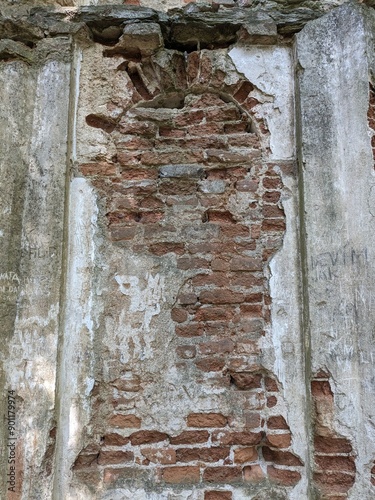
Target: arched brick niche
x,y
191,187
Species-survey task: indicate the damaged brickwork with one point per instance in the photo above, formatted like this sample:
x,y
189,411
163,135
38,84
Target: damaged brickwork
x,y
191,182
334,456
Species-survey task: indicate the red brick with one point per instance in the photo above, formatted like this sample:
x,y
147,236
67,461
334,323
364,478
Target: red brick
x,y
246,279
321,388
252,310
202,454
254,298
271,401
244,438
220,156
99,168
190,437
283,477
209,128
218,495
189,117
145,437
214,313
210,364
334,482
220,296
279,440
215,278
114,439
222,474
160,455
173,157
272,183
342,464
206,420
236,127
243,91
187,263
223,113
277,422
86,460
273,211
190,330
186,351
179,315
273,225
271,384
127,159
280,457
252,420
243,455
234,230
271,196
247,381
253,474
187,298
177,475
171,132
125,421
115,457
324,444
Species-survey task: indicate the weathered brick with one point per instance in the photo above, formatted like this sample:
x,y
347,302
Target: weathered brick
x,y
177,475
190,437
243,455
145,437
99,168
206,420
190,330
179,315
221,346
283,477
115,457
162,456
186,351
280,457
214,313
253,474
334,482
218,495
244,438
246,264
342,464
271,401
114,439
246,381
222,474
210,364
202,454
220,296
271,384
321,388
125,421
328,444
277,422
279,440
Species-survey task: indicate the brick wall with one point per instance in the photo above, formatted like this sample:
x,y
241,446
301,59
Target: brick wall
x,y
334,456
191,184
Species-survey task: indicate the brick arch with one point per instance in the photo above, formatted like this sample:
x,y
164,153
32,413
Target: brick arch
x,y
189,138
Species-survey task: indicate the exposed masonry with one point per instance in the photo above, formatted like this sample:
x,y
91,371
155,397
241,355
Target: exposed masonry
x,y
335,468
371,118
192,158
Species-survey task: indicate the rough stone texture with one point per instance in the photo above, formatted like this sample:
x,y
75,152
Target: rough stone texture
x,y
185,314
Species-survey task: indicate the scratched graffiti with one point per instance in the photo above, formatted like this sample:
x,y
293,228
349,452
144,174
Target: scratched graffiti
x,y
327,266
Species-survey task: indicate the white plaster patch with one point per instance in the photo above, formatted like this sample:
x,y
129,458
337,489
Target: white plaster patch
x,y
271,70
